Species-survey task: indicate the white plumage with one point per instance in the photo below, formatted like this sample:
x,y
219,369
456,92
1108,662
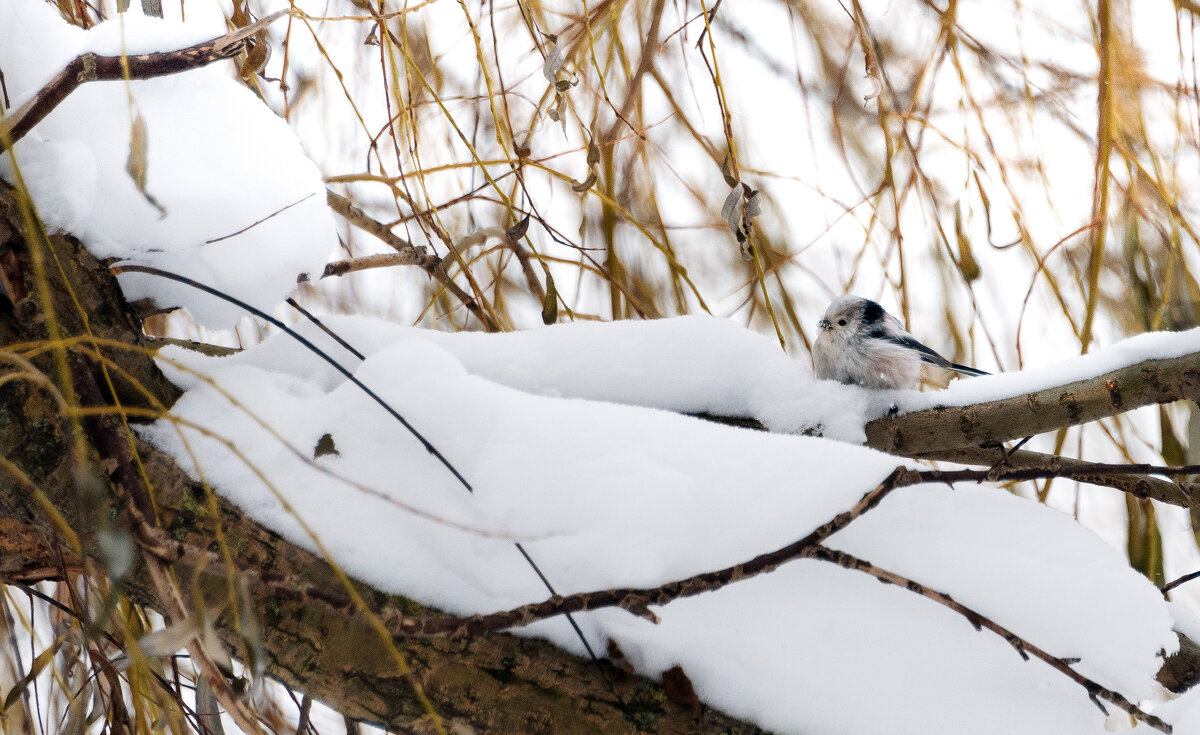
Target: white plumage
x,y
861,344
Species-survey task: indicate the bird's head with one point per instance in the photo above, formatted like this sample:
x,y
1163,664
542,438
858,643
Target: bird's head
x,y
849,315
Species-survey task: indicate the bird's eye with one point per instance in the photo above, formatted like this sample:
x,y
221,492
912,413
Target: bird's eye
x,y
841,322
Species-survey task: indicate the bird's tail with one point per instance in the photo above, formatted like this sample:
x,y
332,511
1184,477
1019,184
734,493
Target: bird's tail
x,y
970,371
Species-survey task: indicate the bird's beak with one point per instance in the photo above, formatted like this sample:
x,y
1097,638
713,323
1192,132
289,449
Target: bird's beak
x,y
824,324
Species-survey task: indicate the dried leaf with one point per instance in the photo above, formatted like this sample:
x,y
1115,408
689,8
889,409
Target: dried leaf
x,y
593,153
678,687
325,447
169,640
255,654
138,162
731,210
208,712
517,231
39,663
618,658
727,171
550,303
966,258
554,61
256,57
753,206
1173,452
586,183
876,88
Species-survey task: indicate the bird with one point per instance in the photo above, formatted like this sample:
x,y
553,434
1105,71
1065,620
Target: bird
x,y
861,344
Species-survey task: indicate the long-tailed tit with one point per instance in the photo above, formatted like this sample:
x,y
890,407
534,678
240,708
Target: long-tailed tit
x,y
861,344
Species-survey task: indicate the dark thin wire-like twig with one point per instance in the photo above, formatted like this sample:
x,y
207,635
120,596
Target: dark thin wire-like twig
x,y
1181,580
537,570
256,223
132,268
149,270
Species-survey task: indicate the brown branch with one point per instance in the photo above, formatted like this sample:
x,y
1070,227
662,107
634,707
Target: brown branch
x,y
1177,492
1023,647
995,422
1185,494
638,600
384,260
313,635
431,264
811,546
91,67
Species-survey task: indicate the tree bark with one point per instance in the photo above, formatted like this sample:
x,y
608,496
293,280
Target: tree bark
x,y
314,637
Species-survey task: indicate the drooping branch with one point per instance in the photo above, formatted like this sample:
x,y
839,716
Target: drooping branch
x,y
638,600
1024,648
91,67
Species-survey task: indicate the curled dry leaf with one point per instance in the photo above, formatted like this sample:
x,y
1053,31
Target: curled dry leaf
x,y
741,206
586,183
731,210
517,231
137,164
554,61
876,87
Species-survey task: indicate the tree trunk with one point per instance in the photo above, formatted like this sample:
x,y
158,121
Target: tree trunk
x,y
313,635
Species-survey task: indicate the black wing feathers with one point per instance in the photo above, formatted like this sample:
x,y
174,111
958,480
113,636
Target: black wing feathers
x,y
973,372
872,312
904,340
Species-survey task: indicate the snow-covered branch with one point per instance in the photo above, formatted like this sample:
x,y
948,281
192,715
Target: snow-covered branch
x,y
92,67
990,423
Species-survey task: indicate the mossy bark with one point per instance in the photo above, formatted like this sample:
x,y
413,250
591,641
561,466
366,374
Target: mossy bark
x,y
314,637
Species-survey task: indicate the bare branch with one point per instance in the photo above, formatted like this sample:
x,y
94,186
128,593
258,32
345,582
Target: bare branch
x,y
432,264
384,260
92,67
1023,647
638,600
1181,493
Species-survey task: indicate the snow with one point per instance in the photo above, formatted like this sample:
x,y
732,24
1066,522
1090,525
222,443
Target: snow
x,y
604,492
208,191
573,440
1151,345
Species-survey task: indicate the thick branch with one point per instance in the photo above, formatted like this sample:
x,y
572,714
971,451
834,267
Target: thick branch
x,y
314,636
994,422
